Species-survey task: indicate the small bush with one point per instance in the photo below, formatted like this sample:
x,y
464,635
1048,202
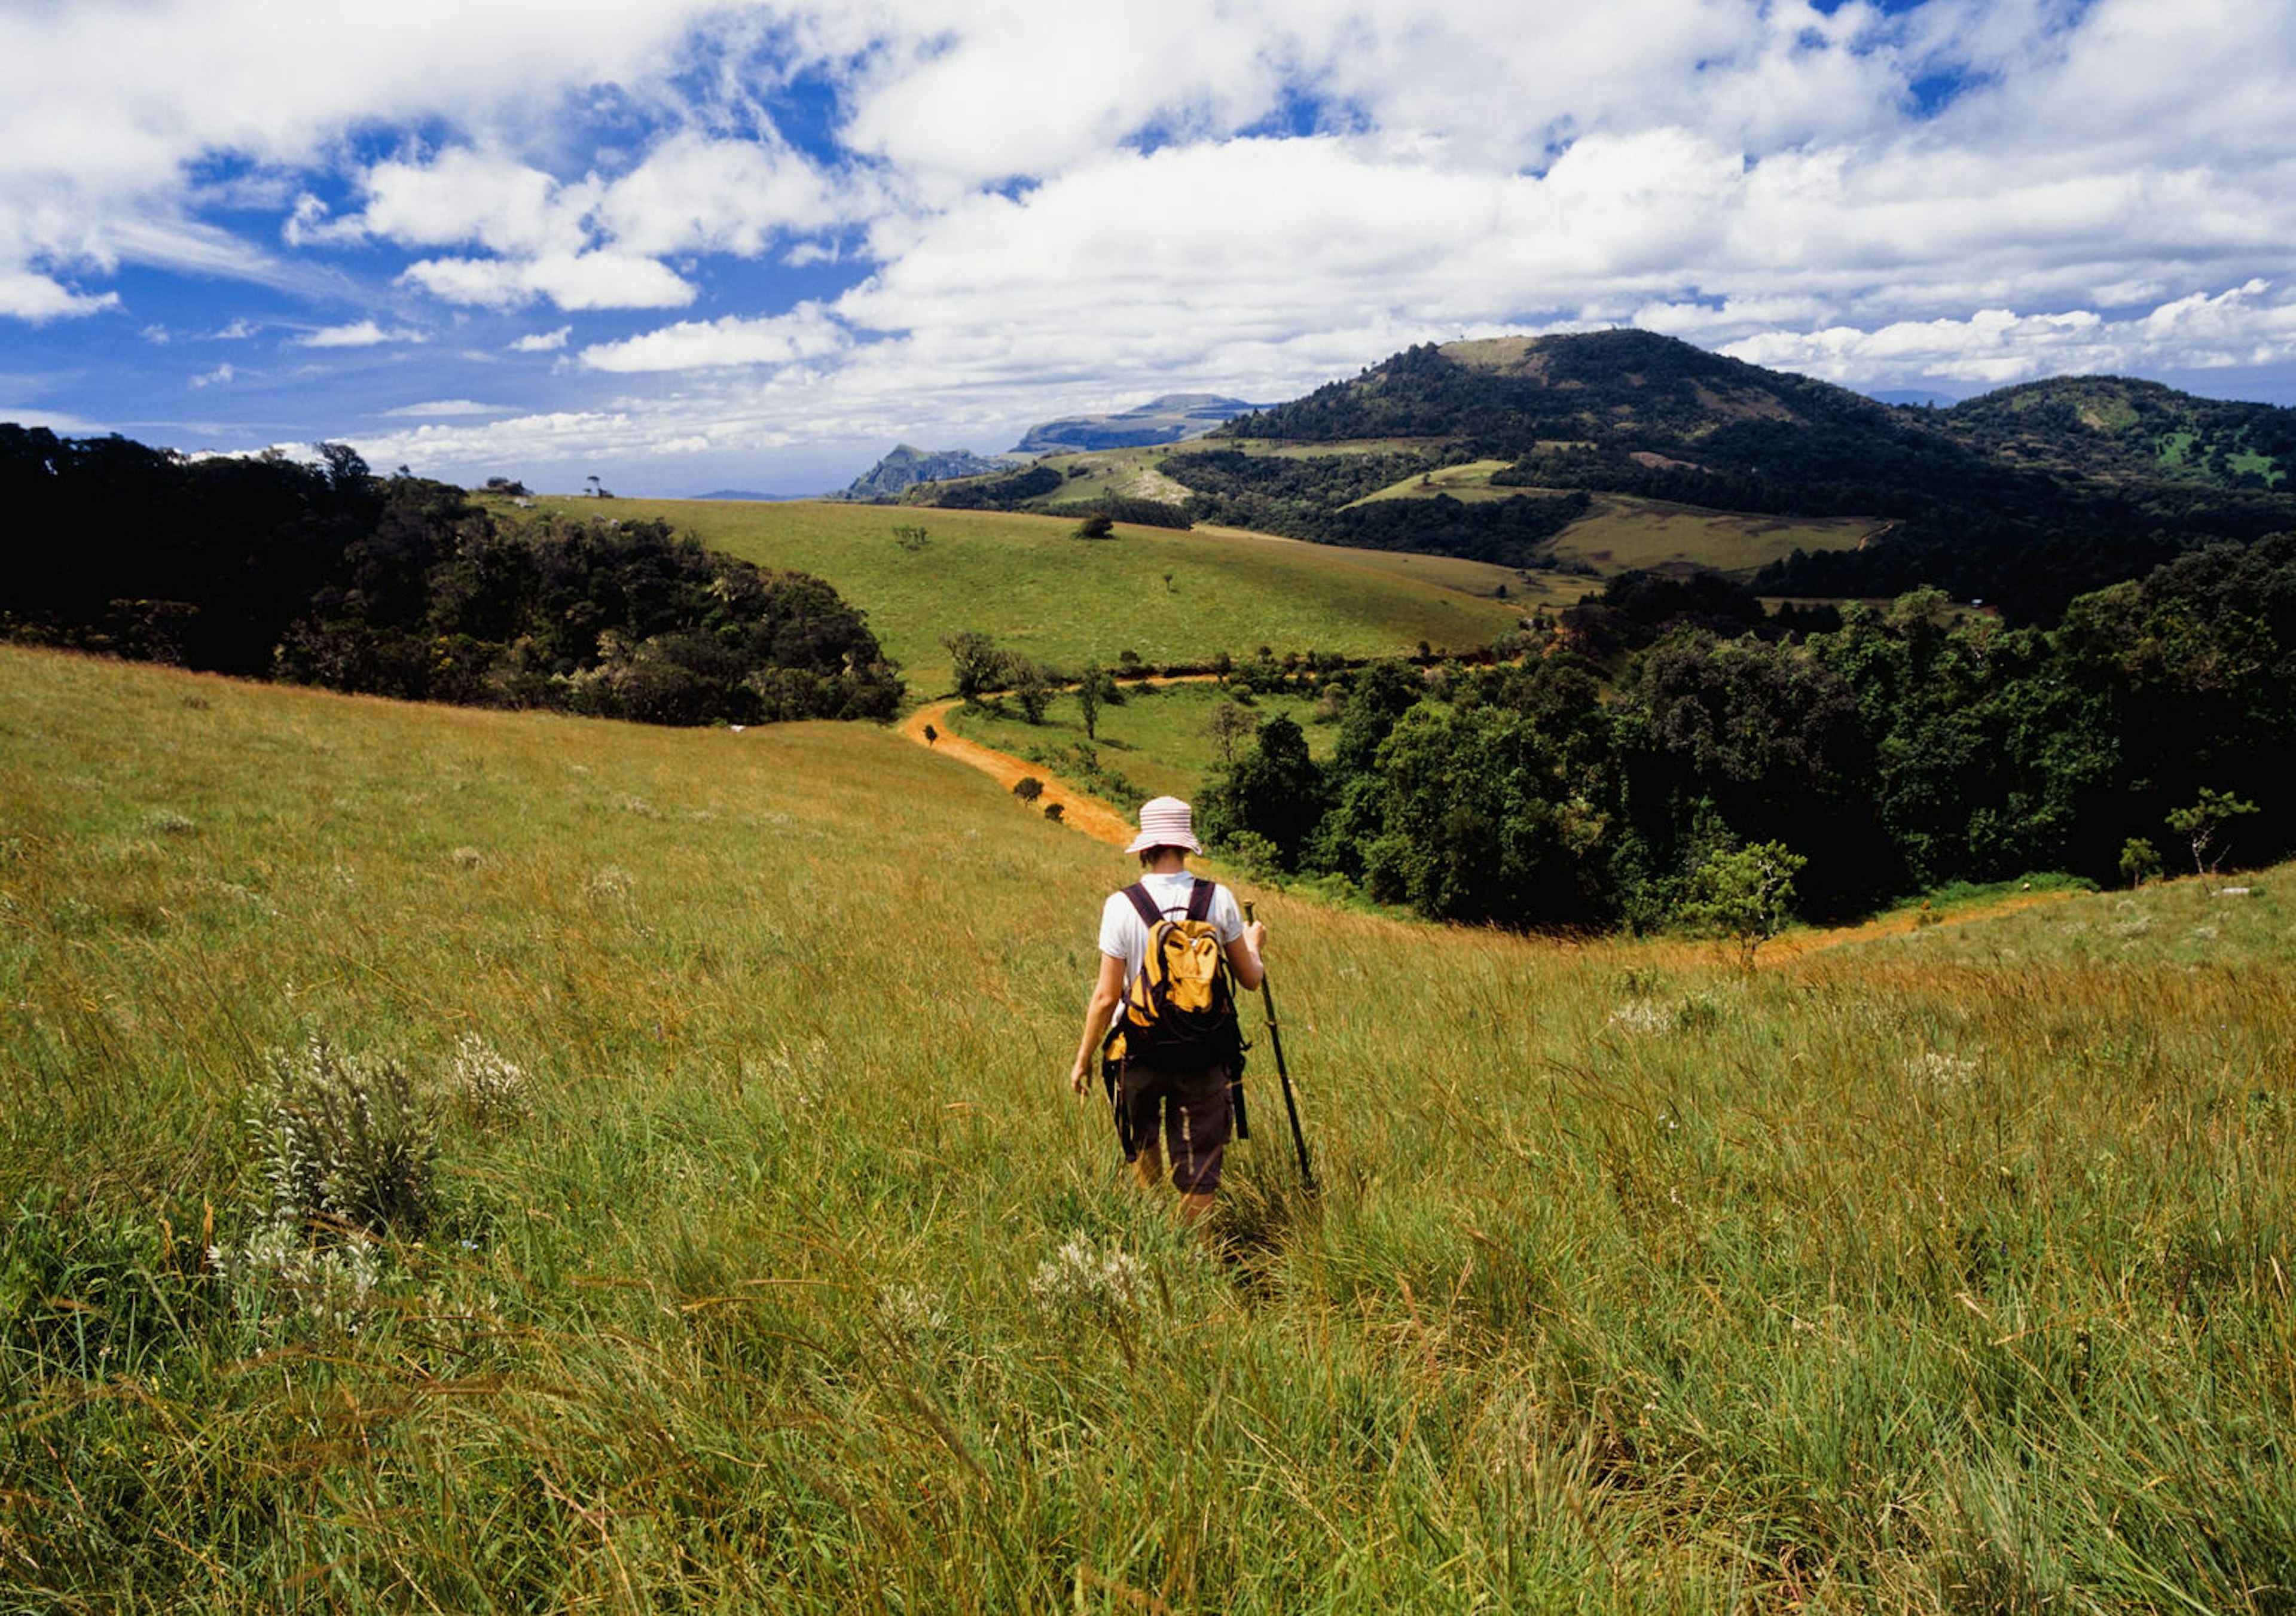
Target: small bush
x,y
343,1138
1027,788
491,1088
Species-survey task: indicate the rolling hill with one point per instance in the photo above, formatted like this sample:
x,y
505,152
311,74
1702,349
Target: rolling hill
x,y
762,1259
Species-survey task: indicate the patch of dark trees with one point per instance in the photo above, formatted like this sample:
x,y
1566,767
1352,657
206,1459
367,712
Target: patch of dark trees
x,y
1007,493
323,574
1898,751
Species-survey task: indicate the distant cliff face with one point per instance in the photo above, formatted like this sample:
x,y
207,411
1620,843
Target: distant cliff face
x,y
1171,418
907,464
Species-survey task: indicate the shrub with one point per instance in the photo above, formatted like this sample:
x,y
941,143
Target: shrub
x,y
343,1138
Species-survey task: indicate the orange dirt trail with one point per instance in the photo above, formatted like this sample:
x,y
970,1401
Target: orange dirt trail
x,y
1089,815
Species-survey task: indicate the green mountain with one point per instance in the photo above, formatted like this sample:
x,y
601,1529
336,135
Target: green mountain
x,y
2025,497
2120,429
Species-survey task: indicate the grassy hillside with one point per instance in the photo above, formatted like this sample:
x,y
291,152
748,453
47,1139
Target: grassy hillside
x,y
1169,596
1161,741
1948,1272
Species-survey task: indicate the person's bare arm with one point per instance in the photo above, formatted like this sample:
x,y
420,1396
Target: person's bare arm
x,y
1243,956
1107,993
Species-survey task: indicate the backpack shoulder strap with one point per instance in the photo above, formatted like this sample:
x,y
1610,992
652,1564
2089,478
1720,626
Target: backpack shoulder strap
x,y
1200,899
1149,912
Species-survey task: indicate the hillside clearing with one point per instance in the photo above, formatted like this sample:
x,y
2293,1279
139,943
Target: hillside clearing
x,y
1167,596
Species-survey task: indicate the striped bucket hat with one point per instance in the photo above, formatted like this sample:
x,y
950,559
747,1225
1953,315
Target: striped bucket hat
x,y
1166,821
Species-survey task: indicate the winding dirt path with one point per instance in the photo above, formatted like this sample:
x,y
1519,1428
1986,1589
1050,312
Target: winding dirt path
x,y
1089,815
1102,823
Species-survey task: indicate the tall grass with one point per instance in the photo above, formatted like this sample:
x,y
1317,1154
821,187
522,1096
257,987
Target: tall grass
x,y
1946,1272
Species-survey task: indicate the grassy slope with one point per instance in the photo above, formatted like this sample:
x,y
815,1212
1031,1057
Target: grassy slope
x,y
1161,743
1026,581
1943,1271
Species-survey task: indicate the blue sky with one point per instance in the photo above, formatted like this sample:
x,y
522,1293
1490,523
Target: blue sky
x,y
689,246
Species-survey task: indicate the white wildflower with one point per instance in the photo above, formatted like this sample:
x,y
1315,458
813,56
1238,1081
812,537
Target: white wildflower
x,y
1080,1279
1939,1070
1644,1017
490,1086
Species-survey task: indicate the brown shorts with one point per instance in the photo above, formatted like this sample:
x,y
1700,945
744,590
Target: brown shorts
x,y
1189,1110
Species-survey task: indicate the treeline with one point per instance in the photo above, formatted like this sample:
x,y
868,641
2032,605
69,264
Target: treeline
x,y
326,575
1310,497
1007,493
1898,752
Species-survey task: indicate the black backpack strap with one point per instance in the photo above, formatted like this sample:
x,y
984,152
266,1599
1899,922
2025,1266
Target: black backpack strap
x,y
1200,899
1149,912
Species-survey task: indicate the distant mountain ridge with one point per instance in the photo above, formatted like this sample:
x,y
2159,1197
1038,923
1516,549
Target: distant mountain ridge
x,y
908,466
2026,497
1171,419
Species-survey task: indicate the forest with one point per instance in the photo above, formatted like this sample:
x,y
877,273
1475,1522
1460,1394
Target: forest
x,y
324,574
1898,752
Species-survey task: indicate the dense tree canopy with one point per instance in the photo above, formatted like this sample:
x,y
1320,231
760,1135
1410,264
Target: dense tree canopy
x,y
323,574
1896,752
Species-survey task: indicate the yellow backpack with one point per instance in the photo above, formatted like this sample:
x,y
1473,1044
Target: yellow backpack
x,y
1179,1008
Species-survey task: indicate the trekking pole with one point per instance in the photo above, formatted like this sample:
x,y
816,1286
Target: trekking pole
x,y
1276,1042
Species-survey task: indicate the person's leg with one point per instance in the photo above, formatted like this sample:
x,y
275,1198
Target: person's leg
x,y
1197,1123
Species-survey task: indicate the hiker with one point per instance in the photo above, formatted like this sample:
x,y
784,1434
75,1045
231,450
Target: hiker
x,y
1191,1098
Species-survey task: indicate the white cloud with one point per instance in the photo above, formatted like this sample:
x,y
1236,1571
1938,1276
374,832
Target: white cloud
x,y
805,333
359,333
39,297
221,374
2254,324
442,408
572,281
1061,207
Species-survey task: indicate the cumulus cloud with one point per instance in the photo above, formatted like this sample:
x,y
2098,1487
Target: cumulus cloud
x,y
571,280
981,230
2254,324
806,332
39,297
358,333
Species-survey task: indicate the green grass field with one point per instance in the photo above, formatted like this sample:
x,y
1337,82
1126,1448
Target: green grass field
x,y
769,1266
1160,741
1169,596
1623,533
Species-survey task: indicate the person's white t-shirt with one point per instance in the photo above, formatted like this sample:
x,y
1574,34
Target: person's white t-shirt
x,y
1124,935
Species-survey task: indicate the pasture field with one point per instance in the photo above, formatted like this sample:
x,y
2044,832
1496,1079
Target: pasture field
x,y
1170,596
767,1265
1470,481
1624,533
1160,741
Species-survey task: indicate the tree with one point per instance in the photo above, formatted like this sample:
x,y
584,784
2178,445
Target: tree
x,y
2204,821
1228,724
1089,691
1032,687
976,662
1027,788
1100,524
931,735
1743,897
2138,859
